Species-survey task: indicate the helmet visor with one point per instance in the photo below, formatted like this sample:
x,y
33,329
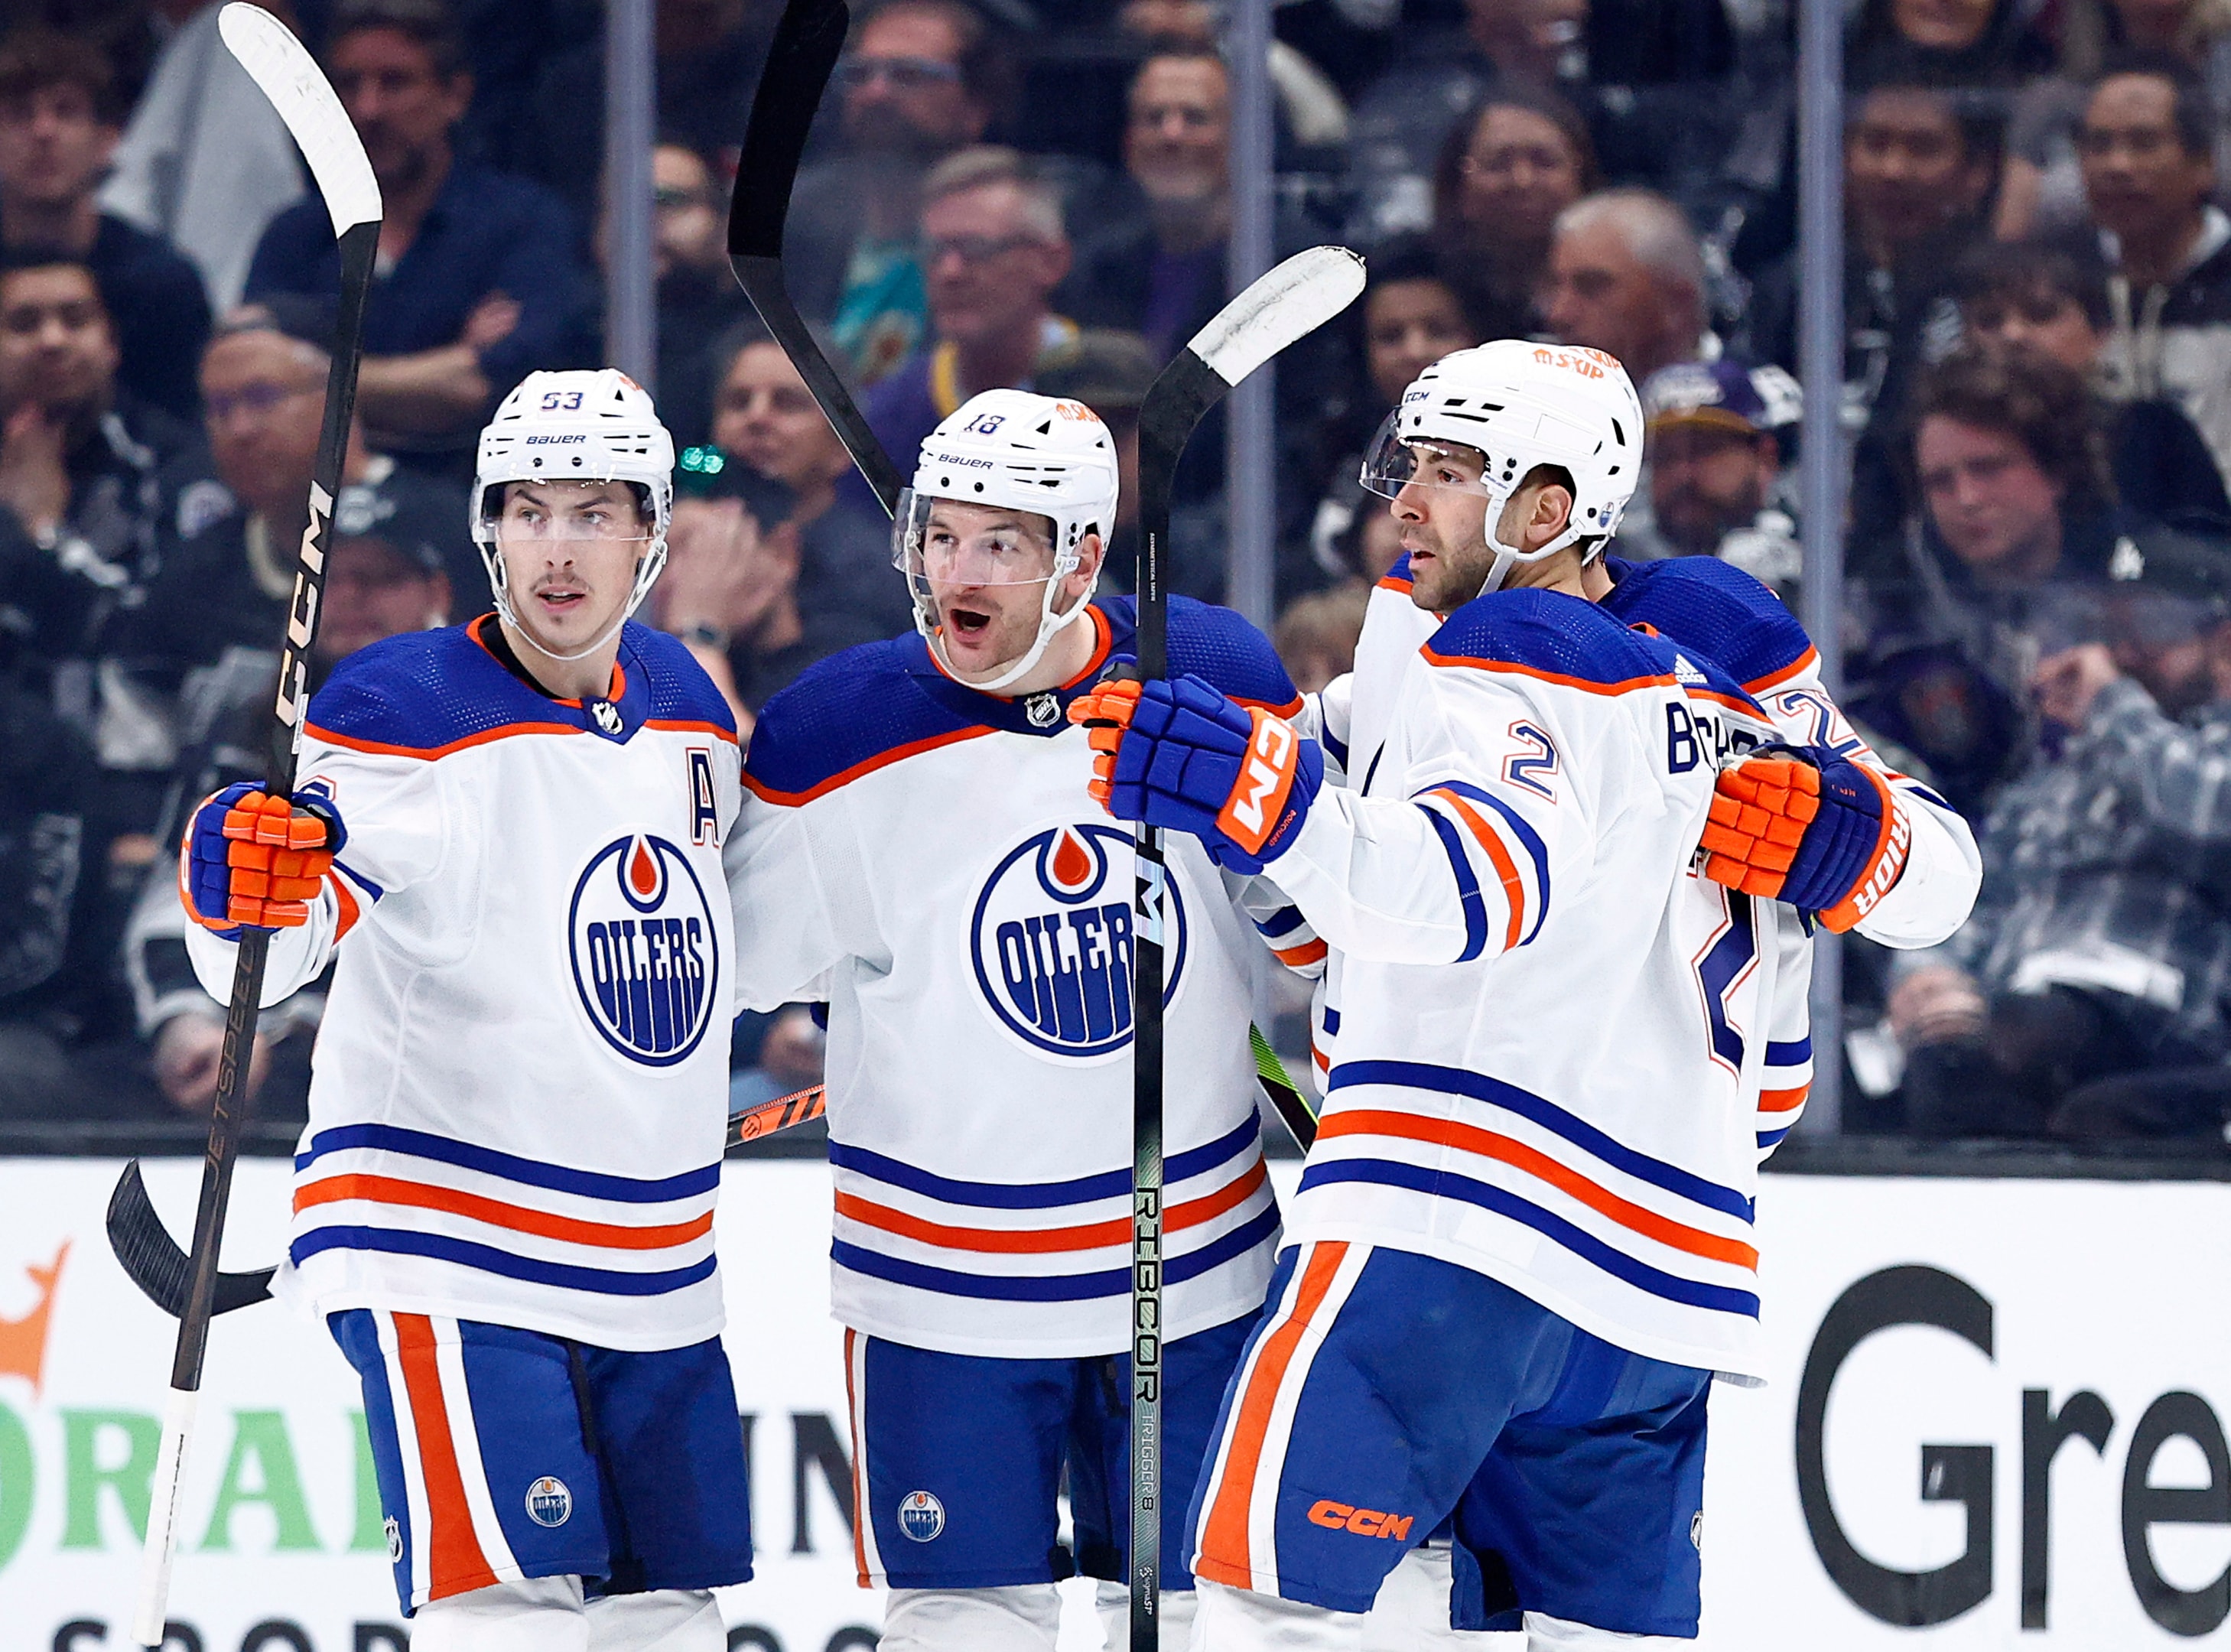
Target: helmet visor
x,y
613,513
950,544
1393,463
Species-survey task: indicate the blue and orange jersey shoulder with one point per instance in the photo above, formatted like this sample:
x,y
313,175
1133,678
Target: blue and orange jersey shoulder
x,y
1397,578
428,693
1717,609
855,713
1552,637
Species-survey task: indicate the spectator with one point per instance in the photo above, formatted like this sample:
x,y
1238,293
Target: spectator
x,y
993,251
205,161
1505,172
2016,525
58,126
2086,998
1318,634
1716,468
387,572
2147,144
228,567
2036,299
480,280
698,299
922,80
79,467
1626,276
1409,316
1971,42
1163,275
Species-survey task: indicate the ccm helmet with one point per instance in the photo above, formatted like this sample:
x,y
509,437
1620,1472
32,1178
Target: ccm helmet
x,y
1017,451
586,425
1520,404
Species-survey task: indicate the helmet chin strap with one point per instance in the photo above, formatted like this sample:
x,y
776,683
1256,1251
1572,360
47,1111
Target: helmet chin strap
x,y
1050,626
1507,556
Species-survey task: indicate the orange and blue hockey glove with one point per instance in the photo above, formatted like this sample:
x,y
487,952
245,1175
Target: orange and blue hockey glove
x,y
1807,825
256,861
1181,757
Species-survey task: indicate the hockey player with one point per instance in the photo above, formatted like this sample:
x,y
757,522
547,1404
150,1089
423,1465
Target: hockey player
x,y
509,841
1522,1253
916,851
1723,614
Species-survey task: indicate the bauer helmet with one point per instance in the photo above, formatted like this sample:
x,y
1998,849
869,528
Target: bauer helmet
x,y
1017,451
586,425
1521,404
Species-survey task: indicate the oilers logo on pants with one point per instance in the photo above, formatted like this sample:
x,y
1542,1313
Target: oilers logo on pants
x,y
1051,939
644,950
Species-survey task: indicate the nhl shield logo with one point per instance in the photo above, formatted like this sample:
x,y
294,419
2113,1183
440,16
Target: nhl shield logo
x,y
548,1502
921,1517
1052,941
645,950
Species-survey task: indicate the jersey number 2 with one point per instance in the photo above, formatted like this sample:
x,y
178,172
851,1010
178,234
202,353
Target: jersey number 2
x,y
1726,960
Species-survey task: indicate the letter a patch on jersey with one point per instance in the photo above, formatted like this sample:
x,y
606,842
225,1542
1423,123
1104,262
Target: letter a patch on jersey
x,y
1266,776
704,809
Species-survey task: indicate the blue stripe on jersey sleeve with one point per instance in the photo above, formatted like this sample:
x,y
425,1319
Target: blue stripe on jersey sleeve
x,y
1789,1054
1475,910
488,1260
1335,747
418,1143
1447,1184
1053,1287
1549,634
1421,1075
1714,607
1537,851
1284,920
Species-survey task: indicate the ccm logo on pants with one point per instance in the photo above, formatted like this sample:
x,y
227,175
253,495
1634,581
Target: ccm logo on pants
x,y
1364,1522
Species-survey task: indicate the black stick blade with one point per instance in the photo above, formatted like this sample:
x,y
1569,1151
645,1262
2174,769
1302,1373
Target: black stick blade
x,y
152,1260
800,60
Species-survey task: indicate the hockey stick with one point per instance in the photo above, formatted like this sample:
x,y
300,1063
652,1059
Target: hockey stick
x,y
799,61
1289,303
288,75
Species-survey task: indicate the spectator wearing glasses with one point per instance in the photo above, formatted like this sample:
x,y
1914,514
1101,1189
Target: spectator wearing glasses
x,y
993,251
1504,174
1161,273
480,281
2029,298
698,298
2147,149
922,80
2086,998
59,116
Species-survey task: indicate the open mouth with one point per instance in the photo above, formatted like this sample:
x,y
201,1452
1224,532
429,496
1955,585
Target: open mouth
x,y
970,624
560,599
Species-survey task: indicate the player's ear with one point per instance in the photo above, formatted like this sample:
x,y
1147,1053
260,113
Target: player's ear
x,y
1090,553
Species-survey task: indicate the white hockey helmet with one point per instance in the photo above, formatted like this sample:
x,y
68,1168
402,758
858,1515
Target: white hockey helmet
x,y
1015,451
1521,404
590,425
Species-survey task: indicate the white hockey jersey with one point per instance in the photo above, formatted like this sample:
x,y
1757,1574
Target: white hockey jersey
x,y
1717,611
519,1089
925,856
1550,1028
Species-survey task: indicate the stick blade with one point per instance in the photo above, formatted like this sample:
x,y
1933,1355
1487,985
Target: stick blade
x,y
1287,303
152,1260
800,59
282,67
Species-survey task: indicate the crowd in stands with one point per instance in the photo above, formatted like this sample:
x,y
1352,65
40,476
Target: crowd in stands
x,y
2035,413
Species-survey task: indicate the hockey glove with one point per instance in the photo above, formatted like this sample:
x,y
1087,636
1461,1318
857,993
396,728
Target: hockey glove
x,y
1809,827
1181,757
256,861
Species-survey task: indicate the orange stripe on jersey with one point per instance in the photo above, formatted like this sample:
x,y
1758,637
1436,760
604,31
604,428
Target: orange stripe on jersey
x,y
1717,698
1295,957
454,1561
1805,662
1045,1241
1513,891
865,766
1625,685
1470,1138
682,725
1223,1551
1784,1101
380,748
859,1461
1395,582
1323,1061
350,911
387,1189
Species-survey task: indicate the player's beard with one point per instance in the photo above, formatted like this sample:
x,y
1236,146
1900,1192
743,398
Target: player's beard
x,y
1452,577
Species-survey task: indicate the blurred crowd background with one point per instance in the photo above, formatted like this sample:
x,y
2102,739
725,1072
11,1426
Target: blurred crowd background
x,y
2036,418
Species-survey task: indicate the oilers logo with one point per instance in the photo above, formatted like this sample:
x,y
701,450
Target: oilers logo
x,y
645,950
549,1502
921,1517
1052,941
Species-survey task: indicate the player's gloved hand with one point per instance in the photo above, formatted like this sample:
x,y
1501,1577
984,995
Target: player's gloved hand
x,y
256,861
1806,825
1179,755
